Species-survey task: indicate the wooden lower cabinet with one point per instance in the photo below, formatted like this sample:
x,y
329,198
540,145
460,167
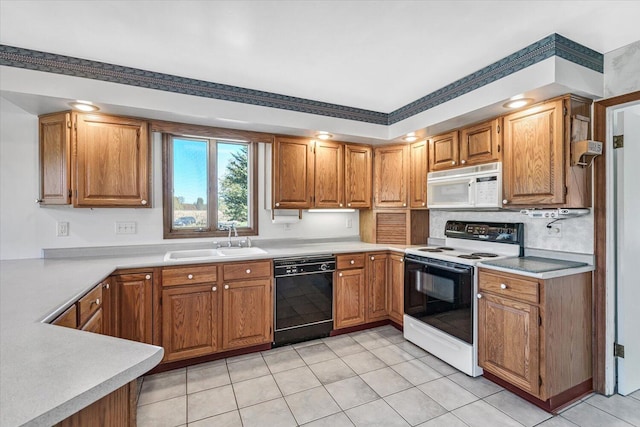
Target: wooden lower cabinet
x,y
377,304
395,287
132,306
117,409
190,320
349,297
535,335
247,308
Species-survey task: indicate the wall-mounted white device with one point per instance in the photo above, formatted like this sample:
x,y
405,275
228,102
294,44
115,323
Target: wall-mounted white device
x,y
583,152
554,213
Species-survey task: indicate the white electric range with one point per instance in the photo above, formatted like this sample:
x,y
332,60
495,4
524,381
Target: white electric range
x,y
441,283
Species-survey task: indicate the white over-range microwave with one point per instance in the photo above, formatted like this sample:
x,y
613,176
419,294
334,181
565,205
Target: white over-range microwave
x,y
472,187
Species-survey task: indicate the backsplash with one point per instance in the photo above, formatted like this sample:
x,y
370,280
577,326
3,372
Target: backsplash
x,y
577,233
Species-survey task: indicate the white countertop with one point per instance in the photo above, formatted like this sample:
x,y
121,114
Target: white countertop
x,y
49,372
544,275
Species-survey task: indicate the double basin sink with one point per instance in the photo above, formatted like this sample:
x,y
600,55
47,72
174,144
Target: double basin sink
x,y
212,254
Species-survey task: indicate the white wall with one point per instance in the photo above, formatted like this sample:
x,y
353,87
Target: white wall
x,y
26,228
622,70
577,233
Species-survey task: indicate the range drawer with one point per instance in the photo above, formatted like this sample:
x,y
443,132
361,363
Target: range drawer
x,y
189,275
346,261
89,304
246,270
509,286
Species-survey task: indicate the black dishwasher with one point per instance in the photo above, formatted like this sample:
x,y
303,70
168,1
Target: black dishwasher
x,y
303,298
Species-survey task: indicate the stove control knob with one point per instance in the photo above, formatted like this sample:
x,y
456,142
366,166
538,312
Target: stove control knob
x,y
479,296
324,267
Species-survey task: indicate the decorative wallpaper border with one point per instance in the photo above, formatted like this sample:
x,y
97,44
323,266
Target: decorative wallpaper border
x,y
554,44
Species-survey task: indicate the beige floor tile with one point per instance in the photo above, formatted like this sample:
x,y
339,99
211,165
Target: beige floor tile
x,y
447,393
517,408
351,392
481,414
228,419
371,340
331,371
363,362
163,386
376,414
344,345
207,403
247,369
392,354
437,364
412,349
586,415
311,405
557,421
165,413
625,408
296,380
386,381
316,353
206,376
479,386
446,420
283,361
268,414
416,372
415,406
336,420
256,390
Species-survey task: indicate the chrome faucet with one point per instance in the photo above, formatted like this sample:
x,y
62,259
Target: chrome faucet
x,y
232,227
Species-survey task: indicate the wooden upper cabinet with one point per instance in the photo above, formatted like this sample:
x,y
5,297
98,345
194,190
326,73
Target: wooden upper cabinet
x,y
329,174
391,176
533,167
418,175
133,306
113,161
293,173
357,176
443,151
55,159
481,143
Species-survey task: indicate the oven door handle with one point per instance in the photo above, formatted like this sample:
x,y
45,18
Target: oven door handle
x,y
443,267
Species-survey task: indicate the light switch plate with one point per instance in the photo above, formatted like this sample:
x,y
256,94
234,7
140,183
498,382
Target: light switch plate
x,y
62,229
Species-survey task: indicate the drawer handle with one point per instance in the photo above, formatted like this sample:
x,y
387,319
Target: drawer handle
x,y
503,286
96,302
340,204
349,204
106,286
148,276
401,259
479,296
190,276
373,258
340,274
248,271
226,286
463,161
352,262
453,162
215,288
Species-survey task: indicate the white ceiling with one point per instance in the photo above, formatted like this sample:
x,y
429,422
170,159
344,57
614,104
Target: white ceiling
x,y
376,55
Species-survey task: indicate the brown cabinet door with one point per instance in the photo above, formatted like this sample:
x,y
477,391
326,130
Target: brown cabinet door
x,y
189,321
329,175
508,337
480,143
443,152
293,172
396,288
391,176
95,324
377,305
68,319
133,307
533,166
357,176
112,161
349,297
418,175
107,308
55,159
247,311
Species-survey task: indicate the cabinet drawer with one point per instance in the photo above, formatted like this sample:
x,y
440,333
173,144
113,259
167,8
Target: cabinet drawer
x,y
507,286
246,270
89,304
94,324
344,262
68,319
189,275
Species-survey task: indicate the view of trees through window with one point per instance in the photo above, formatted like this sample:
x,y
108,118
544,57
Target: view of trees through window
x,y
192,172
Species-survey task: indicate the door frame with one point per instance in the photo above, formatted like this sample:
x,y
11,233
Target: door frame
x,y
603,307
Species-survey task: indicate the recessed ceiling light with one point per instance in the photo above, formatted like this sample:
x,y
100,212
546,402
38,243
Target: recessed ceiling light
x,y
323,135
85,106
517,103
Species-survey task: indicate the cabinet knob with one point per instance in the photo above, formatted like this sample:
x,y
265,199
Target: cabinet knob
x,y
189,276
277,204
106,286
453,163
503,286
96,302
144,202
226,286
349,204
401,259
352,262
38,200
148,276
505,201
340,204
248,271
404,205
479,296
373,258
424,204
463,161
340,274
215,288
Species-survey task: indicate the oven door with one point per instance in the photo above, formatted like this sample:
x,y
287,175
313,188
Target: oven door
x,y
439,293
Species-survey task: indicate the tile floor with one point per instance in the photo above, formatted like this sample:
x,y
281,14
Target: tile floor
x,y
367,378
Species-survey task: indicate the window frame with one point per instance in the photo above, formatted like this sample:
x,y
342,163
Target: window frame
x,y
213,135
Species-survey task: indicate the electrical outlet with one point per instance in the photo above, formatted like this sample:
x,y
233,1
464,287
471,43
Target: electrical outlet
x,y
349,222
555,230
287,227
128,227
62,229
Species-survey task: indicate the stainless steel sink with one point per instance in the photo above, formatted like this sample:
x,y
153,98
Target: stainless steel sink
x,y
212,254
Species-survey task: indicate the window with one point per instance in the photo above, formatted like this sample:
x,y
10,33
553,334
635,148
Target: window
x,y
209,186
